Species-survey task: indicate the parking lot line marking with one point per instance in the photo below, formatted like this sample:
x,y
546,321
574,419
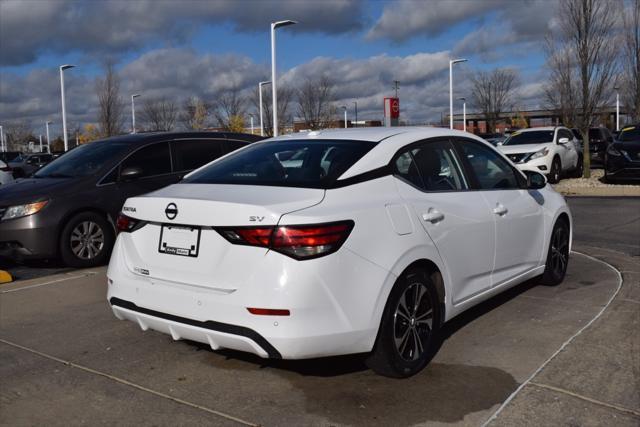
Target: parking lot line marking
x,y
129,383
51,282
588,399
565,344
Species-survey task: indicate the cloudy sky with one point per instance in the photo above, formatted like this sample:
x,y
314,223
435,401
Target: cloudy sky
x,y
201,48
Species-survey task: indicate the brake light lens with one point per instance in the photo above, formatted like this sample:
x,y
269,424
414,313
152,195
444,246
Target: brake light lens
x,y
126,224
297,241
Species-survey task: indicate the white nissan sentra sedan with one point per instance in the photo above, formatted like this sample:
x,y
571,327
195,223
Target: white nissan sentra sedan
x,y
336,242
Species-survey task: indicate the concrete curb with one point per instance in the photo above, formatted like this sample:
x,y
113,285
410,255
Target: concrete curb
x,y
602,192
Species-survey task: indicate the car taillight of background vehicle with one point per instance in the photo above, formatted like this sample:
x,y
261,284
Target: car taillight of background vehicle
x,y
297,241
6,169
126,224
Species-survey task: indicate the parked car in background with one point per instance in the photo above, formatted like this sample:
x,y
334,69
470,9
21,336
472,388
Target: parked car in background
x,y
550,150
8,156
26,164
599,140
622,158
368,244
69,207
498,140
6,175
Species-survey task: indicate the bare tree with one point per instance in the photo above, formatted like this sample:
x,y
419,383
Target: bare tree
x,y
18,134
631,61
229,108
195,113
493,93
159,115
586,34
110,105
285,97
561,89
315,97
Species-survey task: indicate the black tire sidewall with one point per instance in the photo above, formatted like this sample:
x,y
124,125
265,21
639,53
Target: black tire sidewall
x,y
548,277
67,255
556,168
385,345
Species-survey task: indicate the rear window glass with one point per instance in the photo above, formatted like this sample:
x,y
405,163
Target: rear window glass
x,y
189,155
303,163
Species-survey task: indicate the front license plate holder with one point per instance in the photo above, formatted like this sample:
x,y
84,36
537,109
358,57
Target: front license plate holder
x,y
179,240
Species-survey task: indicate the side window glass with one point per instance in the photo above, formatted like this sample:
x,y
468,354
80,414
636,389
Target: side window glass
x,y
152,160
433,166
231,145
491,170
189,155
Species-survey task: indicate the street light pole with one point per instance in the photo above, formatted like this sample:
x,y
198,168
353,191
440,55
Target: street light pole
x,y
617,108
344,107
133,112
2,147
47,123
251,118
64,112
451,62
260,101
274,91
356,121
464,113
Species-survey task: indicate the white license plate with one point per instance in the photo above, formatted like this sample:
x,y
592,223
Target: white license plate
x,y
179,240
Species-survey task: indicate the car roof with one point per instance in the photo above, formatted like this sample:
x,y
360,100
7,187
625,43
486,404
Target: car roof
x,y
542,128
374,134
146,137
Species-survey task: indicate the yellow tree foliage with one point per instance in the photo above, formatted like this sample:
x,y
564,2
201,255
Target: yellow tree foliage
x,y
89,133
236,124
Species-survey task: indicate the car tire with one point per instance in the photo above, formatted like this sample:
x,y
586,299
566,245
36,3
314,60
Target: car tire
x,y
408,331
579,170
557,255
555,171
86,240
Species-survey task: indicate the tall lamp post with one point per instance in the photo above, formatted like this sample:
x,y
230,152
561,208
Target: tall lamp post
x,y
260,101
46,124
133,112
344,107
64,111
451,62
2,147
617,89
356,114
274,96
464,113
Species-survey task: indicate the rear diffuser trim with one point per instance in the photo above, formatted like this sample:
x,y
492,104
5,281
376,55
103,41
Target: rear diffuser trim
x,y
209,324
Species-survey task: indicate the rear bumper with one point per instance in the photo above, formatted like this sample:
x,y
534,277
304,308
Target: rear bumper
x,y
332,302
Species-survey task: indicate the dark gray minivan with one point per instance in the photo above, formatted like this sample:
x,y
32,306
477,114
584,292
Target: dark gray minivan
x,y
68,208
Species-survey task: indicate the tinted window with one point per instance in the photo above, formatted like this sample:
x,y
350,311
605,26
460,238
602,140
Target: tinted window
x,y
595,134
630,134
491,171
304,163
564,133
153,160
189,155
530,137
431,166
231,145
83,160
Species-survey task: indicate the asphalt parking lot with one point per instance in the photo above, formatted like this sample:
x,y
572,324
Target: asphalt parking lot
x,y
534,355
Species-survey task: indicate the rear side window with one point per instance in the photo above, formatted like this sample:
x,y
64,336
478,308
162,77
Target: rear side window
x,y
303,163
432,166
153,159
492,172
189,155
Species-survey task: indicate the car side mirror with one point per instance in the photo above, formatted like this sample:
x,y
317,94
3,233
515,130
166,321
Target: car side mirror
x,y
535,180
130,174
563,141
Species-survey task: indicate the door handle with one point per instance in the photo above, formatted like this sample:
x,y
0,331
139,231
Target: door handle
x,y
433,216
500,209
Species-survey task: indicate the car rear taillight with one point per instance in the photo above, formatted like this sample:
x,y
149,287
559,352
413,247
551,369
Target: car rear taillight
x,y
297,241
6,169
126,224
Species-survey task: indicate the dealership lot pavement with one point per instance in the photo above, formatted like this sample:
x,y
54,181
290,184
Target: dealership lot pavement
x,y
65,359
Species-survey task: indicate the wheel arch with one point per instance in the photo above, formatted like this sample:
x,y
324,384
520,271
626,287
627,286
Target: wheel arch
x,y
67,216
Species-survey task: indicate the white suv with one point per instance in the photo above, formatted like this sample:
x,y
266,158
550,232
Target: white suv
x,y
550,150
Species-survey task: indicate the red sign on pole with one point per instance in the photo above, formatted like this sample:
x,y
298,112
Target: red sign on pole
x,y
392,107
